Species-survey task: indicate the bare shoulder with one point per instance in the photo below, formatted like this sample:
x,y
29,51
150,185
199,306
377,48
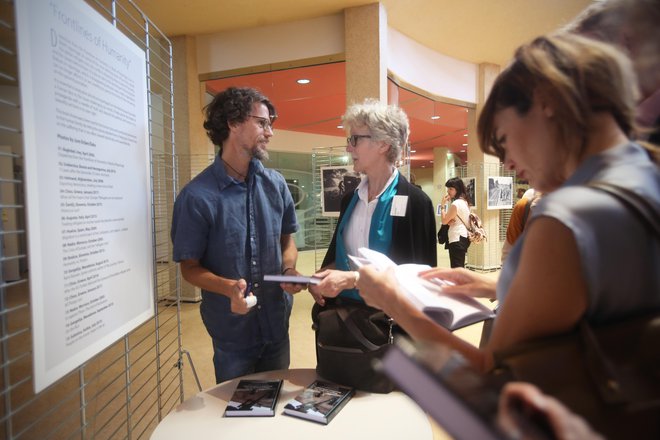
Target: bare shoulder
x,y
549,292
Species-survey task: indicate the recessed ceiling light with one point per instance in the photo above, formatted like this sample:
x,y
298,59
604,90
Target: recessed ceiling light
x,y
462,151
465,145
340,126
434,117
413,151
303,81
465,135
423,166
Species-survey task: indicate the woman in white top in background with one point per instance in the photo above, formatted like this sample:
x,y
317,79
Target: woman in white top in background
x,y
456,216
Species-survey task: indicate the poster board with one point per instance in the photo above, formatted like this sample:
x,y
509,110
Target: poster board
x,y
88,185
335,182
500,192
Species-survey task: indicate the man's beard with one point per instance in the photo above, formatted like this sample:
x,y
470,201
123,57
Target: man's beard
x,y
259,153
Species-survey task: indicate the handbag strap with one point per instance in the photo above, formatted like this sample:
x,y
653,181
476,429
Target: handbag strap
x,y
603,373
635,203
342,312
466,226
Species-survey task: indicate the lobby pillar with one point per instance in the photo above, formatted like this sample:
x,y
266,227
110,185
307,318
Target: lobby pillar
x,y
365,34
442,163
486,255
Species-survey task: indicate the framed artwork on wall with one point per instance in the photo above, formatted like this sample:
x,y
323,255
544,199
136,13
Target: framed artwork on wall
x,y
335,182
500,192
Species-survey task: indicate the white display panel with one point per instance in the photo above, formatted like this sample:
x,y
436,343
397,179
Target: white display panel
x,y
87,172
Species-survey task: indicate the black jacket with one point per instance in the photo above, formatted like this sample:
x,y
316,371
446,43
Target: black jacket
x,y
413,236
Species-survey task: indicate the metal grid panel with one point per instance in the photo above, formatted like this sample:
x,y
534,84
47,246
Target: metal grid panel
x,y
124,391
323,227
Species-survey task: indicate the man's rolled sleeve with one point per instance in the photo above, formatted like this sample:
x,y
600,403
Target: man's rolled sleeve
x,y
190,228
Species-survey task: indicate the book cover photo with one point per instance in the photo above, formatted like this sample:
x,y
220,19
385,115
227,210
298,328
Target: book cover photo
x,y
254,398
319,402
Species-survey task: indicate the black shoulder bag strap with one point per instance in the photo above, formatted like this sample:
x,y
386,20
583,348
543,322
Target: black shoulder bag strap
x,y
635,203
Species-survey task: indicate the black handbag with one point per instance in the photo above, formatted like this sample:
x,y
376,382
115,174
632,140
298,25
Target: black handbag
x,y
443,234
349,336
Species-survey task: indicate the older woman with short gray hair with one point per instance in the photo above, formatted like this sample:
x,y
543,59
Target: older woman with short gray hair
x,y
385,212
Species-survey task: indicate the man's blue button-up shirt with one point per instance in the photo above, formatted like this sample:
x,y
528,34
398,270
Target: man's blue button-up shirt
x,y
233,228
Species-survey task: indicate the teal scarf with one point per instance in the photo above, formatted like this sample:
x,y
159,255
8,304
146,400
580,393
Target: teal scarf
x,y
380,231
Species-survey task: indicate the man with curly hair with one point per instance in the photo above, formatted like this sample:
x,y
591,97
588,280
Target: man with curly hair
x,y
232,224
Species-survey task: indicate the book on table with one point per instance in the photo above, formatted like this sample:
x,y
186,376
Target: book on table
x,y
319,402
451,311
254,398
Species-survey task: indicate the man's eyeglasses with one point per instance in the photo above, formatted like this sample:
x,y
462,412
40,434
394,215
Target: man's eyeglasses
x,y
265,123
353,139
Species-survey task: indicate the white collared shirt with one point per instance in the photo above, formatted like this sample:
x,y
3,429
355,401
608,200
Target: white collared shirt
x,y
356,234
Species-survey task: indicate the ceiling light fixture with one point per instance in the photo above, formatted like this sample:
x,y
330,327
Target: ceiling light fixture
x,y
303,81
413,151
340,126
465,135
434,117
465,145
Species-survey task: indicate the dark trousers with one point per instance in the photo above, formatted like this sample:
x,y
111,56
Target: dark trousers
x,y
457,251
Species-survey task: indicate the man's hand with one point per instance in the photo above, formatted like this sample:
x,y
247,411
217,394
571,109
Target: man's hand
x,y
237,297
292,288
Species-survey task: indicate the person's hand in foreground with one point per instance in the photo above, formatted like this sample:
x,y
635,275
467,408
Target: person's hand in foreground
x,y
380,289
523,410
465,282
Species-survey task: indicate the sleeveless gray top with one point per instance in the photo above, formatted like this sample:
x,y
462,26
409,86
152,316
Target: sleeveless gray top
x,y
619,256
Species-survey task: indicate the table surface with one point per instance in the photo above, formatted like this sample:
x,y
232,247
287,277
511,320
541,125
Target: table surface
x,y
381,416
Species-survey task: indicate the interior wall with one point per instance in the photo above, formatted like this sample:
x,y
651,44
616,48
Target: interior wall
x,y
424,178
431,71
275,43
298,142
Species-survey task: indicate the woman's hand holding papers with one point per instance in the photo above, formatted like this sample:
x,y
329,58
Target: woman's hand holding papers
x,y
464,282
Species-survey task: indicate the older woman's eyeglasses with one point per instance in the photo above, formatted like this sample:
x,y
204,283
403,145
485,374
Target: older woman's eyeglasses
x,y
353,139
265,123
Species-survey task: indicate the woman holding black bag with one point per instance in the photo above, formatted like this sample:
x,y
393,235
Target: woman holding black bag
x,y
385,213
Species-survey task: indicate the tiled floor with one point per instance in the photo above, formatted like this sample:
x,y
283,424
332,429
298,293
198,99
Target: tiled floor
x,y
197,342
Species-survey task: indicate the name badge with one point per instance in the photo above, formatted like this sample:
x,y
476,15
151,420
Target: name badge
x,y
399,205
